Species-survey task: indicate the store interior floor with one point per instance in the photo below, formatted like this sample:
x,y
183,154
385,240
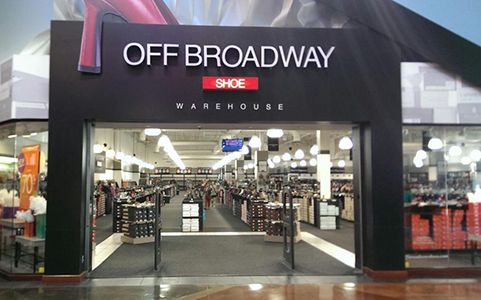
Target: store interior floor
x,y
208,255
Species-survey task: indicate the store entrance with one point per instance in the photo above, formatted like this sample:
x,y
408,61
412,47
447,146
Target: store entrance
x,y
221,190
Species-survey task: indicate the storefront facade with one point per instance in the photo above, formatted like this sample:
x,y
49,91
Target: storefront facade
x,y
176,74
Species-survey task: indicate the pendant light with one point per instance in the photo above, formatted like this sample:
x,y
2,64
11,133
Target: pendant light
x,y
435,143
275,133
418,162
110,153
313,162
293,165
314,150
475,155
98,148
276,159
465,160
341,163
270,163
286,157
119,155
299,154
421,154
455,151
345,143
302,163
152,131
255,142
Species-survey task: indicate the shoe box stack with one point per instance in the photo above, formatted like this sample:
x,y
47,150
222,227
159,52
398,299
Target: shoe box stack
x,y
273,213
459,235
473,218
244,211
190,217
304,207
117,217
100,204
256,215
348,210
138,219
442,229
421,239
236,207
328,214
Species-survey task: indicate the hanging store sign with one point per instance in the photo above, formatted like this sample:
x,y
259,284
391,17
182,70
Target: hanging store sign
x,y
28,166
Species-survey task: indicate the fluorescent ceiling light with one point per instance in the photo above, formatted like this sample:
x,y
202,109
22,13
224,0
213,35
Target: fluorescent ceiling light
x,y
345,143
119,155
7,160
275,133
244,150
255,142
12,136
299,154
435,143
418,162
276,159
152,131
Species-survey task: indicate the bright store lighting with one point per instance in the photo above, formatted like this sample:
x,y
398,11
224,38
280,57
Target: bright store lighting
x,y
7,160
421,154
475,155
245,167
465,160
152,131
314,150
270,163
110,153
435,143
313,162
345,143
302,163
98,148
286,157
275,133
299,154
341,163
165,143
255,286
244,150
276,159
455,151
26,135
33,134
293,165
250,166
255,142
12,136
227,160
119,155
418,162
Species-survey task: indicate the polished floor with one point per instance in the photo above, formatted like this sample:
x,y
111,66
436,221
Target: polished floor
x,y
156,288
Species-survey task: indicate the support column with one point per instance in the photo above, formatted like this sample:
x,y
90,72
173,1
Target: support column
x,y
324,165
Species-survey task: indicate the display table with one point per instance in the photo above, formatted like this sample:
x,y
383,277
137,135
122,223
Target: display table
x,y
9,229
28,242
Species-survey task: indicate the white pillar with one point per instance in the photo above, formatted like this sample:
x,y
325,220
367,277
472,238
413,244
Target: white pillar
x,y
324,165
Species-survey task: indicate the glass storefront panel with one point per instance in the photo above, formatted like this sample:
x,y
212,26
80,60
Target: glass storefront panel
x,y
442,195
23,183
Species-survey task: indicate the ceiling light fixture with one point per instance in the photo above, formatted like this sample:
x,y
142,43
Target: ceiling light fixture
x,y
302,163
255,142
475,155
299,154
313,162
314,150
286,157
276,159
152,131
435,143
421,154
119,155
12,136
465,160
293,165
455,151
418,162
98,148
110,153
244,150
227,160
341,163
345,143
275,133
165,143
